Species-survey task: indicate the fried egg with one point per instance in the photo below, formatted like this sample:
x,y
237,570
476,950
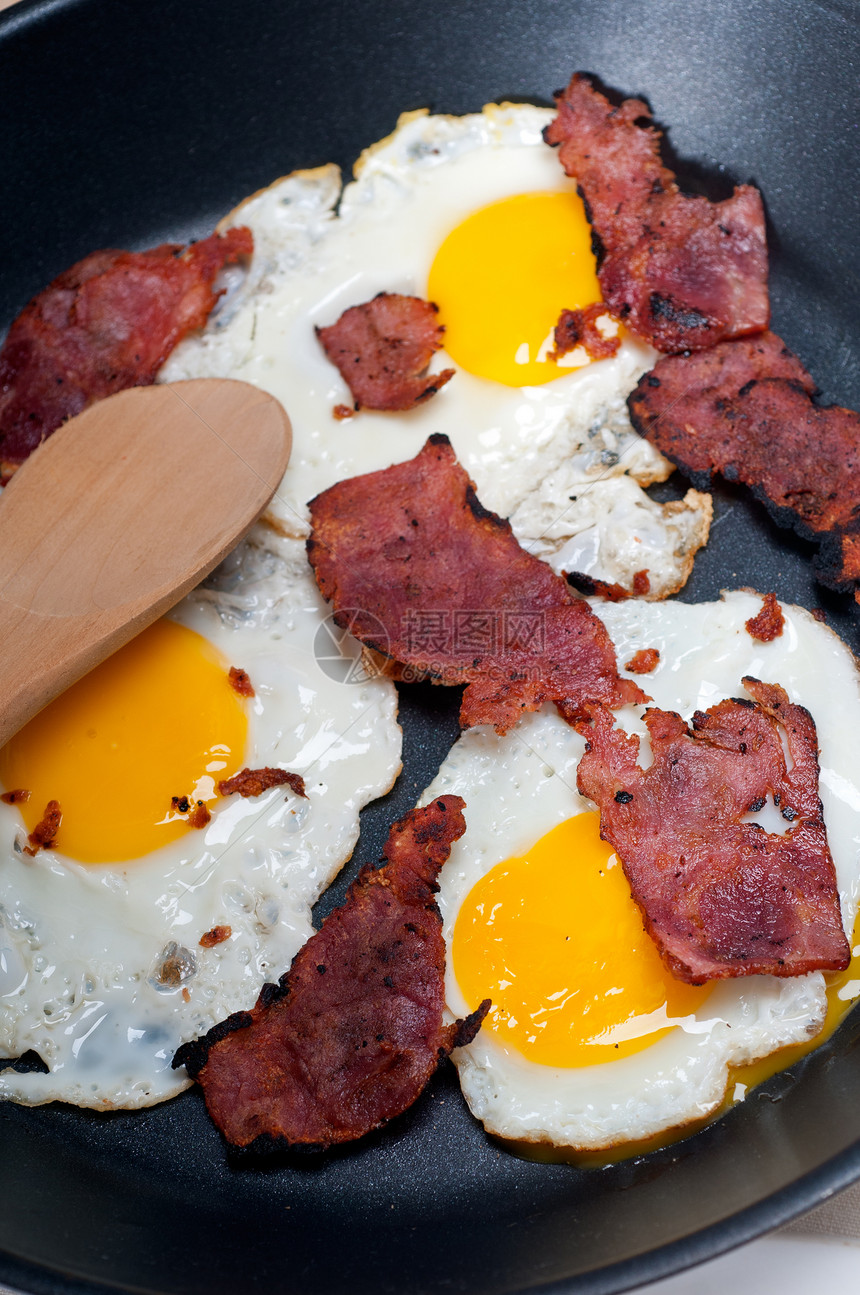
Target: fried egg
x,y
476,214
590,1042
136,931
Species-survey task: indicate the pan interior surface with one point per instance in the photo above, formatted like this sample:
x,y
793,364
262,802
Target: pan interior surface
x,y
126,125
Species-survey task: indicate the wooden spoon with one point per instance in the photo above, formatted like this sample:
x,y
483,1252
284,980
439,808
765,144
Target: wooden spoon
x,y
116,516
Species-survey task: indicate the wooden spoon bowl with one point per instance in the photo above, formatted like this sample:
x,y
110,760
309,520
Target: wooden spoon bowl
x,y
117,516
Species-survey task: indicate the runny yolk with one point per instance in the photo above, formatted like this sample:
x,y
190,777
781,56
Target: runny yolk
x,y
502,278
843,990
156,720
555,940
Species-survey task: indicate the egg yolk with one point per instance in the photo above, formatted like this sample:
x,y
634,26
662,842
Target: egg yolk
x,y
502,278
555,940
158,719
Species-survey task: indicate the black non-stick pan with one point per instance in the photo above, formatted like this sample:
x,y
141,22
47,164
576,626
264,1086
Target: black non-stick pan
x,y
127,122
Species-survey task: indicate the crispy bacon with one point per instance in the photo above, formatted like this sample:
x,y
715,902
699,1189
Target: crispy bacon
x,y
196,810
643,661
217,935
579,328
253,782
768,622
719,895
107,323
240,682
681,271
382,349
44,834
418,569
745,409
593,587
352,1033
199,816
18,796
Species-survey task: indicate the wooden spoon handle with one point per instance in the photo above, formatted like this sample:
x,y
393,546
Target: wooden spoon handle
x,y
117,516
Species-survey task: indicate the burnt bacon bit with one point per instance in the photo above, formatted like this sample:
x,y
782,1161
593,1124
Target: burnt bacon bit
x,y
18,796
217,935
456,598
253,782
644,661
196,810
768,623
579,328
745,409
382,349
44,834
593,587
719,895
199,816
353,1031
240,682
107,323
681,271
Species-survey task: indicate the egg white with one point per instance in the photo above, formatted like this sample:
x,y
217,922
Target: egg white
x,y
81,946
310,264
520,786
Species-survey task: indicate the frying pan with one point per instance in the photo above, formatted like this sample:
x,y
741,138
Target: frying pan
x,y
124,124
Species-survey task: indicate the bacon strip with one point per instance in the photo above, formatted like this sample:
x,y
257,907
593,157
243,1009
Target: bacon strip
x,y
719,895
593,587
745,410
107,323
352,1033
681,271
382,349
419,570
